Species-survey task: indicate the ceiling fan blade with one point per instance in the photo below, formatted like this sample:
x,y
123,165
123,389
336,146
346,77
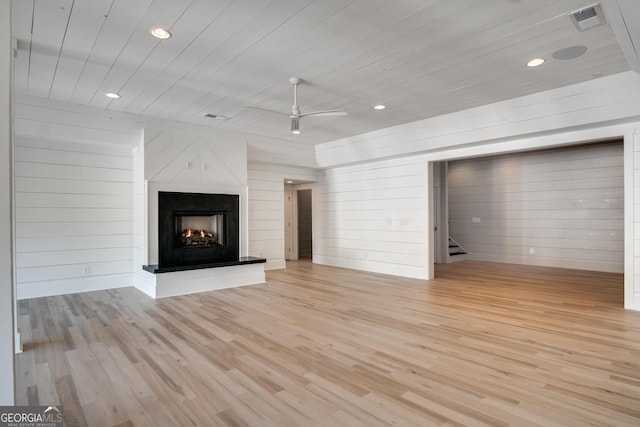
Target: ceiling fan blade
x,y
325,113
267,110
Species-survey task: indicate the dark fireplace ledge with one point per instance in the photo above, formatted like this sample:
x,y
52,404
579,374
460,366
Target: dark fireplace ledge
x,y
155,269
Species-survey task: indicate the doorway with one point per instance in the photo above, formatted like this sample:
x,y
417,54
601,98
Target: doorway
x,y
440,213
298,223
305,235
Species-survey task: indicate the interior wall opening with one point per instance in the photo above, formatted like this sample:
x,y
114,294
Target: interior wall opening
x,y
298,220
557,207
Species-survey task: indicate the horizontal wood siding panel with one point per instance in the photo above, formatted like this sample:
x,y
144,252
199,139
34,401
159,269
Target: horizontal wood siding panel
x,y
68,172
401,252
40,244
69,186
65,156
273,234
74,216
68,257
402,239
265,224
373,217
71,229
68,286
70,271
371,266
567,205
39,200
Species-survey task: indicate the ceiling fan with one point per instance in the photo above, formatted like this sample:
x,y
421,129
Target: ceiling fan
x,y
296,114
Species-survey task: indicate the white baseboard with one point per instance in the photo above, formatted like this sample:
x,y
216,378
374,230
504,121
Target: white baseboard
x,y
18,342
275,264
634,304
71,286
412,272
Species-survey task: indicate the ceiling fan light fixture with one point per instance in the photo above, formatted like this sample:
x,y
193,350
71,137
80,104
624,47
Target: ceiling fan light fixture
x,y
296,114
295,125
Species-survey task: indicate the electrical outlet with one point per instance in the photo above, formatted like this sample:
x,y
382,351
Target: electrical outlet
x,y
532,250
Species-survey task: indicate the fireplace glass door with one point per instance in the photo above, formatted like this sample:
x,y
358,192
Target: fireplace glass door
x,y
200,231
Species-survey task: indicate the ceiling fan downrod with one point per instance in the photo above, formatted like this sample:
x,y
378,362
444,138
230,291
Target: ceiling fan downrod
x,y
295,110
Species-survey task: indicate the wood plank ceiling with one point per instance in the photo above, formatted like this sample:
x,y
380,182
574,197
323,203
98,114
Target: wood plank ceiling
x,y
422,58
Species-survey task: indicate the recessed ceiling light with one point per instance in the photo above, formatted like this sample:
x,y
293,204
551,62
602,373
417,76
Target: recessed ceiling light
x,y
112,95
160,33
289,182
379,107
535,62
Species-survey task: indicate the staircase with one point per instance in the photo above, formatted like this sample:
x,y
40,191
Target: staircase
x,y
456,252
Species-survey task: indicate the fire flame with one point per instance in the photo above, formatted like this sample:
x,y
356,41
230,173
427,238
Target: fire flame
x,y
191,237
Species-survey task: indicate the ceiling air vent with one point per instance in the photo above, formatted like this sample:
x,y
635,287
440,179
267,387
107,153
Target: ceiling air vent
x,y
588,17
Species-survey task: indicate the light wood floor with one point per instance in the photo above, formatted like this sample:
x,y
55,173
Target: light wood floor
x,y
483,344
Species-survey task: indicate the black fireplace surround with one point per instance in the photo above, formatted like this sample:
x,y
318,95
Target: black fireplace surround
x,y
215,237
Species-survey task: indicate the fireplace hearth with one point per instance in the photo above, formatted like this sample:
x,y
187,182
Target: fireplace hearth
x,y
197,228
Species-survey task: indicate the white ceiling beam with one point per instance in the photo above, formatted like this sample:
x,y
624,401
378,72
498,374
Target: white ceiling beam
x,y
624,18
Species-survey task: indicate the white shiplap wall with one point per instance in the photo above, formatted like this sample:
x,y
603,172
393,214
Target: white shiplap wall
x,y
266,209
566,205
374,217
73,216
8,312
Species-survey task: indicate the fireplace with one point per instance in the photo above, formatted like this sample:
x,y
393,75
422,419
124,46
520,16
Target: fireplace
x,y
197,228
